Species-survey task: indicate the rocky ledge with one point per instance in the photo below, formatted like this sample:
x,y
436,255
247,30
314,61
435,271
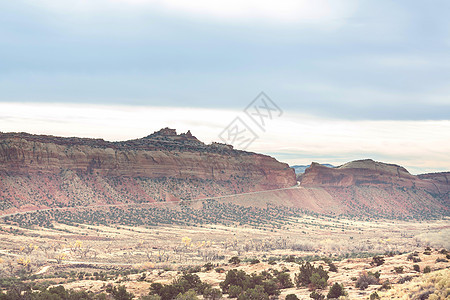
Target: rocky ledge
x,y
161,154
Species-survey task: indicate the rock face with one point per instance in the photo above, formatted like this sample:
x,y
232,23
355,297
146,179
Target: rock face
x,y
442,177
45,172
362,189
53,169
372,173
369,186
356,173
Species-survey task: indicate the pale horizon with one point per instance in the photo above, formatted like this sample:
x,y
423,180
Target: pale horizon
x,y
297,139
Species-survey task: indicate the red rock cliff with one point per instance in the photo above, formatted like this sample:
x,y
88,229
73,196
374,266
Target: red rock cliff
x,y
373,173
163,154
379,188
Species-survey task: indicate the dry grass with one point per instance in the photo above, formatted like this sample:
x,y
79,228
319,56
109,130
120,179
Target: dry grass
x,y
435,284
160,251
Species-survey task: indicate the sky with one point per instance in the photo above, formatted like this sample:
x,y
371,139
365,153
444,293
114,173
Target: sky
x,y
354,79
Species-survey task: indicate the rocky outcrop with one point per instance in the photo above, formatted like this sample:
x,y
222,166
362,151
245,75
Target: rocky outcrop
x,y
372,173
95,165
39,171
356,173
362,189
367,185
442,177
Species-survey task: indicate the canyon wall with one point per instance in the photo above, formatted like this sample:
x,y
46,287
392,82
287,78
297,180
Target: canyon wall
x,y
38,170
364,186
363,189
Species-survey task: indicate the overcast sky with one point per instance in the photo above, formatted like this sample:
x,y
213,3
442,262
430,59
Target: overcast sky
x,y
363,78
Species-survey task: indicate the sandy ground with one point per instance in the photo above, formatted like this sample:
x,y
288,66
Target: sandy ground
x,y
153,249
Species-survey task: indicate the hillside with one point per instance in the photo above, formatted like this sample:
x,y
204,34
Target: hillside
x,y
370,186
39,171
362,188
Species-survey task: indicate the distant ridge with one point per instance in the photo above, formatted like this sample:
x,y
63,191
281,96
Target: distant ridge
x,y
364,189
40,172
300,169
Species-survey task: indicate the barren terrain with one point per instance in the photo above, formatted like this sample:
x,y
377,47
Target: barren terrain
x,y
70,254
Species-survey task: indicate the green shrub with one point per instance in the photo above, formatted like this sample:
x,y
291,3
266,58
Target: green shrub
x,y
208,266
187,282
239,282
234,291
290,258
189,295
427,269
377,260
386,285
316,295
364,280
180,287
194,269
121,293
237,278
201,287
212,294
404,279
284,280
375,274
416,268
398,270
256,293
318,281
155,288
311,275
169,292
271,287
374,296
234,260
333,267
336,291
291,297
142,278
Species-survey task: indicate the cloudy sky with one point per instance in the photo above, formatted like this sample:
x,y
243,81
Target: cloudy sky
x,y
355,79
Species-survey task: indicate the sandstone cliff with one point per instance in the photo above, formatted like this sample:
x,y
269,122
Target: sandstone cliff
x,y
356,173
369,186
39,171
363,189
373,173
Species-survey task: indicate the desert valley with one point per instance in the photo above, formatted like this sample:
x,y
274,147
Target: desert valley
x,y
170,217
226,149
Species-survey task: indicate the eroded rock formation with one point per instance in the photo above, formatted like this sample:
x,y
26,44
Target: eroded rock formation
x,y
37,170
368,186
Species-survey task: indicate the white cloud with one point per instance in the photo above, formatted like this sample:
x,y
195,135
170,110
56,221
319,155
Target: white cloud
x,y
281,11
421,146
